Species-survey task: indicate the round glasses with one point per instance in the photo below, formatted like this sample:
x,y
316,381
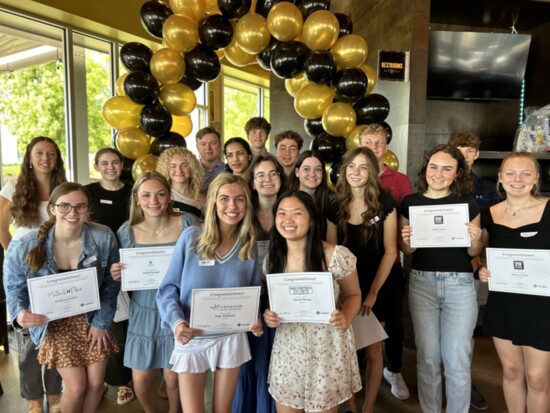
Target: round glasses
x,y
65,208
262,176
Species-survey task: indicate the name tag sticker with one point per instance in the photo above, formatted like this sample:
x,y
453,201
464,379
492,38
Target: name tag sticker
x,y
528,234
206,263
105,201
89,260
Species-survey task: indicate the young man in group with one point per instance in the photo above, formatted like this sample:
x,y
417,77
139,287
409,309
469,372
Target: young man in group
x,y
486,196
209,146
375,137
288,145
257,130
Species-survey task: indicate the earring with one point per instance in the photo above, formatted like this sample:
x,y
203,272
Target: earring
x,y
30,166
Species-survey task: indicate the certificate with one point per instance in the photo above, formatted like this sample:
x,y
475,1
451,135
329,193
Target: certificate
x,y
519,271
367,330
224,310
301,297
122,307
144,268
437,226
64,295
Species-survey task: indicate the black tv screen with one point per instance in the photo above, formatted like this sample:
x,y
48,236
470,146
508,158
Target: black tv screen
x,y
476,66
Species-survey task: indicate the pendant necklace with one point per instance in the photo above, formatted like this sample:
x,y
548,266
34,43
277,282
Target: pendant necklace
x,y
514,212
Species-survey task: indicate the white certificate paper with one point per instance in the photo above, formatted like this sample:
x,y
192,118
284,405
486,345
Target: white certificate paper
x,y
122,307
144,268
224,310
367,330
301,297
64,295
519,271
437,226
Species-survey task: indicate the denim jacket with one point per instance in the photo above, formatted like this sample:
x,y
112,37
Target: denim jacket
x,y
99,250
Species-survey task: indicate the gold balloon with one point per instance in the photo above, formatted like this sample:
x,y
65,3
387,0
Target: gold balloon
x,y
182,125
145,163
339,119
180,33
133,143
211,7
320,30
372,76
349,51
294,84
252,33
120,84
311,100
391,160
285,21
237,56
167,66
330,185
352,138
194,9
178,98
120,112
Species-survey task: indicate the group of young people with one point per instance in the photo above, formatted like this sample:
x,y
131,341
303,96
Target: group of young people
x,y
274,215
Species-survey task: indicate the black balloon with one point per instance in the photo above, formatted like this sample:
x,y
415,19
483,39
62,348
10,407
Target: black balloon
x,y
153,14
155,120
264,6
319,67
264,57
202,63
234,9
141,87
215,31
136,57
170,140
334,172
373,108
191,82
346,26
309,6
388,128
314,127
126,174
350,84
330,147
287,60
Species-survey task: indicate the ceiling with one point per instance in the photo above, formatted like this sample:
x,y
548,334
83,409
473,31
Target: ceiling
x,y
497,14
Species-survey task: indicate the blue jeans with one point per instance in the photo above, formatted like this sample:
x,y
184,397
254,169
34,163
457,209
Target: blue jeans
x,y
444,311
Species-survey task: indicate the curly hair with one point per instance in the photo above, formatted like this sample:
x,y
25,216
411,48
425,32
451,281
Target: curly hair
x,y
197,171
465,140
257,123
26,198
463,183
529,157
211,238
36,256
370,227
289,134
373,129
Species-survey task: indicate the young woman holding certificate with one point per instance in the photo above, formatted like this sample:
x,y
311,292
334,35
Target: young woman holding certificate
x,y
519,322
78,346
364,219
442,295
220,254
313,365
152,223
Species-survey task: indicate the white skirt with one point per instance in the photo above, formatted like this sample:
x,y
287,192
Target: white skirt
x,y
200,355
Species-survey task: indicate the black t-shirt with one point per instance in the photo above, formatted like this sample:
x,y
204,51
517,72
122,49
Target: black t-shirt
x,y
440,259
111,208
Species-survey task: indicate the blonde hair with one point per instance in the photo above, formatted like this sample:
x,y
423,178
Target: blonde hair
x,y
136,213
197,172
211,238
373,129
527,156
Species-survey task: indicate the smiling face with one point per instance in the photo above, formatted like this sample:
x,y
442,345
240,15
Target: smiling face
x,y
179,170
43,157
267,181
518,176
237,157
71,220
357,172
441,173
310,174
230,204
287,152
153,198
376,143
257,138
292,219
109,166
209,148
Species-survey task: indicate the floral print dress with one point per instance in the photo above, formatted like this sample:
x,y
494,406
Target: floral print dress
x,y
313,366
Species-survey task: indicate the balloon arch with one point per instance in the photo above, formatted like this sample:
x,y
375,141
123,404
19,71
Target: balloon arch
x,y
301,41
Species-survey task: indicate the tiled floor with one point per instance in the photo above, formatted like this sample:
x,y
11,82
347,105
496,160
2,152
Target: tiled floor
x,y
486,374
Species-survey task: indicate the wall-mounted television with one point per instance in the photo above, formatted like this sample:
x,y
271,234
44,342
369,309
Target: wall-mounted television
x,y
476,66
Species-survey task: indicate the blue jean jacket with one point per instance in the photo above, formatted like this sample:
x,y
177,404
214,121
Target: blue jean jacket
x,y
99,250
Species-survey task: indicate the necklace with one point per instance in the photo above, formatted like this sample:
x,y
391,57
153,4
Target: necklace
x,y
513,211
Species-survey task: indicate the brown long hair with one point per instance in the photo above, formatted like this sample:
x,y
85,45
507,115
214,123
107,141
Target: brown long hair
x,y
26,198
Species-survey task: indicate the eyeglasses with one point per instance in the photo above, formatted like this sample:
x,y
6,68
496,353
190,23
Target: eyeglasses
x,y
65,208
261,176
